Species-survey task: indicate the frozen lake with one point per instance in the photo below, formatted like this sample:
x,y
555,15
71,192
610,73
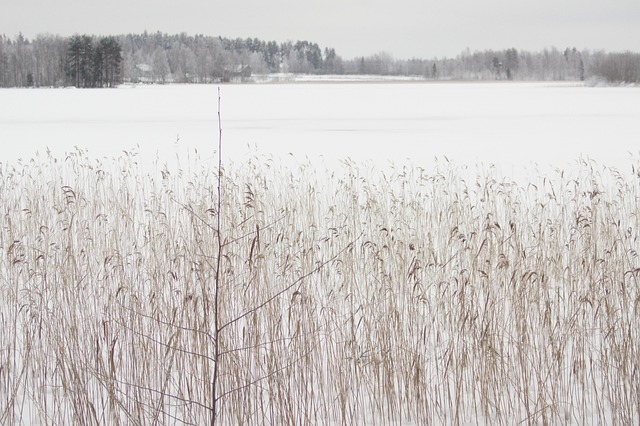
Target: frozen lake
x,y
507,124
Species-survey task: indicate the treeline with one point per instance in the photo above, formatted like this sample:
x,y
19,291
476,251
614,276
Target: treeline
x,y
508,64
90,61
618,67
551,64
53,61
204,59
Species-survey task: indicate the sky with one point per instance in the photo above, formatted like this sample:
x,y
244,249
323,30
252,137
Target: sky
x,y
403,28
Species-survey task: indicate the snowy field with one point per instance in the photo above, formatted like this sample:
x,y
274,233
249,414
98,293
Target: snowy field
x,y
510,125
413,284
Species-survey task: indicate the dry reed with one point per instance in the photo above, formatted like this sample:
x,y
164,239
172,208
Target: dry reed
x,y
403,296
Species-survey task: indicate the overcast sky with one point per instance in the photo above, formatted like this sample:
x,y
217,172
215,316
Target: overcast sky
x,y
404,28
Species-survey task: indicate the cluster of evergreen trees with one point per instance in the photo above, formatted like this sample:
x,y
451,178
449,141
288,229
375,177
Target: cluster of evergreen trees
x,y
93,63
89,61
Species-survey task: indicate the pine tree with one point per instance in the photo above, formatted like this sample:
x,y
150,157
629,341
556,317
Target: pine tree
x,y
80,61
109,58
512,62
4,67
74,54
86,61
98,65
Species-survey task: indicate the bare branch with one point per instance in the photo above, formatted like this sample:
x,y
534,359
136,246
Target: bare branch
x,y
284,367
289,287
175,348
159,321
144,388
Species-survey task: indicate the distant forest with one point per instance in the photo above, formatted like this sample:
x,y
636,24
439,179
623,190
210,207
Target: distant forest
x,y
92,61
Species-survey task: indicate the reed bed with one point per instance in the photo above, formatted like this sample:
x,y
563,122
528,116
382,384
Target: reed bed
x,y
356,296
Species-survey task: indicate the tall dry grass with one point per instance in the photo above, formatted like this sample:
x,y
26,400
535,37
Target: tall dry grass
x,y
411,296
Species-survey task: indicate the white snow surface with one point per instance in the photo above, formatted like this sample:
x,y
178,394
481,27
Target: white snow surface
x,y
511,125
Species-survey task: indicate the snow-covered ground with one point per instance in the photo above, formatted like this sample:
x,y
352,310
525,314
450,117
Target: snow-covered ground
x,y
511,125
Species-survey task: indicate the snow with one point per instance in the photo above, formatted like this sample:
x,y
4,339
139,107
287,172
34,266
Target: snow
x,y
511,125
330,78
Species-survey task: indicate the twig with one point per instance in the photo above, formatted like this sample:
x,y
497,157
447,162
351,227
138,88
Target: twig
x,y
216,298
290,286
